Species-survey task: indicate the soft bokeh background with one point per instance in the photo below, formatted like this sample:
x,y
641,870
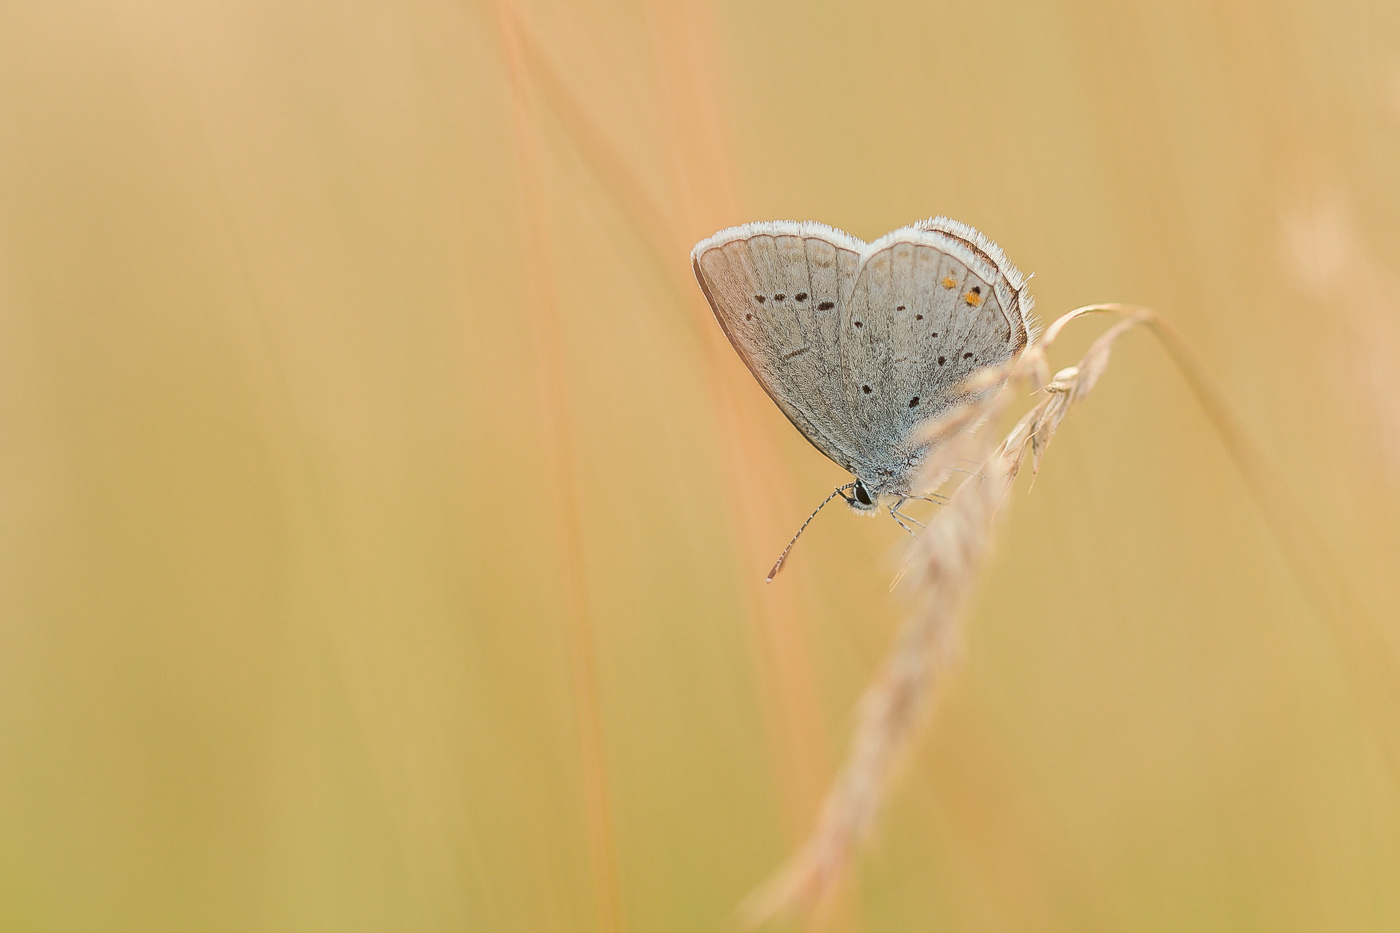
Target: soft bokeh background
x,y
383,519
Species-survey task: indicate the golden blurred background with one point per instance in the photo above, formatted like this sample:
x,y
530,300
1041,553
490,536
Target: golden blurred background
x,y
383,518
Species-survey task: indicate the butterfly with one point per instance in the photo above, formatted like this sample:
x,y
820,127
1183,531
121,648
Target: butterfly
x,y
858,343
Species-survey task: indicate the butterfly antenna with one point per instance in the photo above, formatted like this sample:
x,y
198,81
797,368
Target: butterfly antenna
x,y
838,491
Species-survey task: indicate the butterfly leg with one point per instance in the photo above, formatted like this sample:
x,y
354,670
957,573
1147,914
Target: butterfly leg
x,y
900,518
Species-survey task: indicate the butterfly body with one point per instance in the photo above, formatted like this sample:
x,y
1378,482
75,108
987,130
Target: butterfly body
x,y
858,343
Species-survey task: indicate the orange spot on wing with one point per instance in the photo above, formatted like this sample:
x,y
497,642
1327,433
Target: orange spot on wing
x,y
949,281
973,299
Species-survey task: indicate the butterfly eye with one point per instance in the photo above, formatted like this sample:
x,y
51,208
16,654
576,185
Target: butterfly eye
x,y
863,494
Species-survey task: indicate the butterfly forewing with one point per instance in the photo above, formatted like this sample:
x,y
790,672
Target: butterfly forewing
x,y
777,290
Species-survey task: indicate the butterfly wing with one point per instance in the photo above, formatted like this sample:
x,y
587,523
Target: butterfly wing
x,y
930,304
779,290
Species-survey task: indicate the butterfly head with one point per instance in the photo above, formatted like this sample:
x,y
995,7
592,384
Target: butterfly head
x,y
861,498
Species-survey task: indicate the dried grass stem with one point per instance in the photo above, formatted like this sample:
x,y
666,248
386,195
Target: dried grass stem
x,y
945,561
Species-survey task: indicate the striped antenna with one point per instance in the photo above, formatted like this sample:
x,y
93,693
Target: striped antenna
x,y
838,491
